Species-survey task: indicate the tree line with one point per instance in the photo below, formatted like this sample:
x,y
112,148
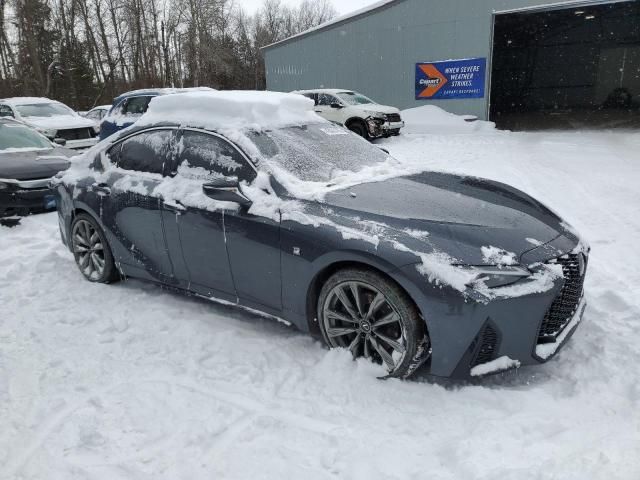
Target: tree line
x,y
86,52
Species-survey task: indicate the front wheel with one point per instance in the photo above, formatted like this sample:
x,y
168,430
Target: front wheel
x,y
371,316
359,128
91,250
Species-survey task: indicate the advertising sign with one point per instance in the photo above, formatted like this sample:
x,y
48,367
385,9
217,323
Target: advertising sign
x,y
451,79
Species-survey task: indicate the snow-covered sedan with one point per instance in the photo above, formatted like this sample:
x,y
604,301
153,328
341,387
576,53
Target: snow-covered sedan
x,y
251,198
28,161
51,118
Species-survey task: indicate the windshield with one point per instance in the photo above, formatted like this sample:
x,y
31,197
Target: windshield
x,y
317,152
43,110
18,136
354,98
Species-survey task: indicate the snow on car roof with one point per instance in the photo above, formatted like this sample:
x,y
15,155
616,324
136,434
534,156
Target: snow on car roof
x,y
214,110
325,90
27,100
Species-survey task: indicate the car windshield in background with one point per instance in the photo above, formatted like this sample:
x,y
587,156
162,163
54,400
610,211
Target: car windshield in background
x,y
43,110
317,152
17,136
353,98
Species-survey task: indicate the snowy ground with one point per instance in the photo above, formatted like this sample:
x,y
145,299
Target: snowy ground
x,y
132,382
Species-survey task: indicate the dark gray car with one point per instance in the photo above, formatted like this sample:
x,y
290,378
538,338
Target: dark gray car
x,y
28,161
464,275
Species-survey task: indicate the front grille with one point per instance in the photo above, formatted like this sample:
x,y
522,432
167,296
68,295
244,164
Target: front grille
x,y
76,133
488,346
566,303
393,117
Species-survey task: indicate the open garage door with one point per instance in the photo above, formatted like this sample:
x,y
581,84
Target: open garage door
x,y
567,68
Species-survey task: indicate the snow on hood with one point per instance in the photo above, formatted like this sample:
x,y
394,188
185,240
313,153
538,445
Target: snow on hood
x,y
59,122
374,108
231,110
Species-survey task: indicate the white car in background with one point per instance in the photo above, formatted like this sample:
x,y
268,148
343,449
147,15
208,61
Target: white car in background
x,y
51,118
97,113
355,111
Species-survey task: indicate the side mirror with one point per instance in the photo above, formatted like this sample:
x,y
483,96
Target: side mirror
x,y
226,190
336,105
60,141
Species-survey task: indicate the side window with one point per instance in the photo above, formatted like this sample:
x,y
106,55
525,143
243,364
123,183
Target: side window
x,y
325,99
5,111
135,105
312,96
145,152
208,157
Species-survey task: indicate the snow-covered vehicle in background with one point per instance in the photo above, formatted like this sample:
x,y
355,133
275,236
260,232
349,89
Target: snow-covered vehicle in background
x,y
251,198
51,118
355,111
28,161
130,106
97,113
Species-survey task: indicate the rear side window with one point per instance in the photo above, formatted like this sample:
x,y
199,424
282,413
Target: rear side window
x,y
5,111
144,152
204,156
312,96
136,105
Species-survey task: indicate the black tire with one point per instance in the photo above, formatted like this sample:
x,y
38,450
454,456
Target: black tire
x,y
404,326
359,128
84,227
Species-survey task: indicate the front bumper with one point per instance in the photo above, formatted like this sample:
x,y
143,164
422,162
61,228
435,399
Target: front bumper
x,y
379,127
24,197
471,338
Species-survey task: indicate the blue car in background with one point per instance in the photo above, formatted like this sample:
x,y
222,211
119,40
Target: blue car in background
x,y
128,107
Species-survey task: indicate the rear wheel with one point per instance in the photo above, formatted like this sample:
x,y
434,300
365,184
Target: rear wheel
x,y
91,251
372,317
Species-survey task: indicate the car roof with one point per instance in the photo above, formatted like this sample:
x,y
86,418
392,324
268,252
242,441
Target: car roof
x,y
27,100
325,90
156,92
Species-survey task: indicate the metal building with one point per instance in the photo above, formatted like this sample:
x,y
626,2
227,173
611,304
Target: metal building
x,y
521,63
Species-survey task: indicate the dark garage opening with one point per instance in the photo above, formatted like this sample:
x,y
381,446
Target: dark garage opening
x,y
567,68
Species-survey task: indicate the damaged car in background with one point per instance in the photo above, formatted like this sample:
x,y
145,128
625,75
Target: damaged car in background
x,y
253,199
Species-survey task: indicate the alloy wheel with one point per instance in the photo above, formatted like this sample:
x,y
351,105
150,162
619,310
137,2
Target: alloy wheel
x,y
357,316
88,250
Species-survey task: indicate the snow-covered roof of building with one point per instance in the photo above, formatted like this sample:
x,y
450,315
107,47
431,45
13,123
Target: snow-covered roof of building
x,y
26,100
381,4
215,110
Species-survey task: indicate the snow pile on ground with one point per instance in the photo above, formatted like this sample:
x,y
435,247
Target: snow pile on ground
x,y
430,119
131,382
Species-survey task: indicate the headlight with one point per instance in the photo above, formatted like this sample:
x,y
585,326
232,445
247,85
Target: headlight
x,y
493,276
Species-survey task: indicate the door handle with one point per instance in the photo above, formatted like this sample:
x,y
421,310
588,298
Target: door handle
x,y
102,188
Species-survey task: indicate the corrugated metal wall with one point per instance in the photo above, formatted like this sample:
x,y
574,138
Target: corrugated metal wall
x,y
376,53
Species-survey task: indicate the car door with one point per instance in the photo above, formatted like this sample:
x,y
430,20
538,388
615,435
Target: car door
x,y
131,211
325,110
252,243
196,236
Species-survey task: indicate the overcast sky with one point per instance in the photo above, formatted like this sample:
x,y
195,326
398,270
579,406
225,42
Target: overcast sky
x,y
343,6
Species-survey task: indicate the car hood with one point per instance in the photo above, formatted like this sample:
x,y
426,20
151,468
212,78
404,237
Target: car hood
x,y
375,108
59,122
460,214
34,164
